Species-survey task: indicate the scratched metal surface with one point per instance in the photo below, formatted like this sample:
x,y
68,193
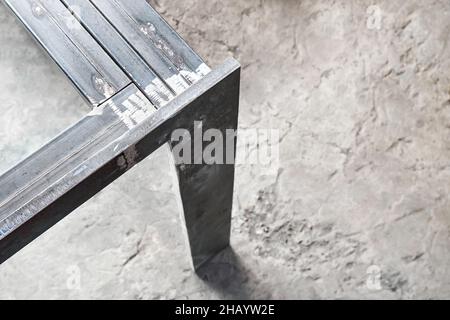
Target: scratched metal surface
x,y
86,64
166,39
42,169
136,36
38,100
104,45
121,51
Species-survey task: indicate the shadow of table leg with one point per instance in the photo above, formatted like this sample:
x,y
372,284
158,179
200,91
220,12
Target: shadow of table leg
x,y
226,275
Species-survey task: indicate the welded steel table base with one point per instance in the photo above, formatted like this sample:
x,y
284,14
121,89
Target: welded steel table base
x,y
137,105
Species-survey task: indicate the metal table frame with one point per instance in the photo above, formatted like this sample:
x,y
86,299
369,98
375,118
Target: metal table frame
x,y
143,82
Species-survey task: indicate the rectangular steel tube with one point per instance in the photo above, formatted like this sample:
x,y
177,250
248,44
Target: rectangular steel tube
x,y
135,35
86,64
187,61
124,55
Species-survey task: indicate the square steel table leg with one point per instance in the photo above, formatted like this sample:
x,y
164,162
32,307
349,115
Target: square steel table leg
x,y
207,189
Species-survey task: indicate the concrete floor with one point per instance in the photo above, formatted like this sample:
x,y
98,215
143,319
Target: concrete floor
x,y
359,206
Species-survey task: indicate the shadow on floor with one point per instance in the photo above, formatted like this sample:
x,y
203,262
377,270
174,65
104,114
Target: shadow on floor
x,y
226,275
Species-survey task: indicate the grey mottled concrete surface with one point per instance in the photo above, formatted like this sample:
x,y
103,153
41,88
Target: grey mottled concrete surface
x,y
362,189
